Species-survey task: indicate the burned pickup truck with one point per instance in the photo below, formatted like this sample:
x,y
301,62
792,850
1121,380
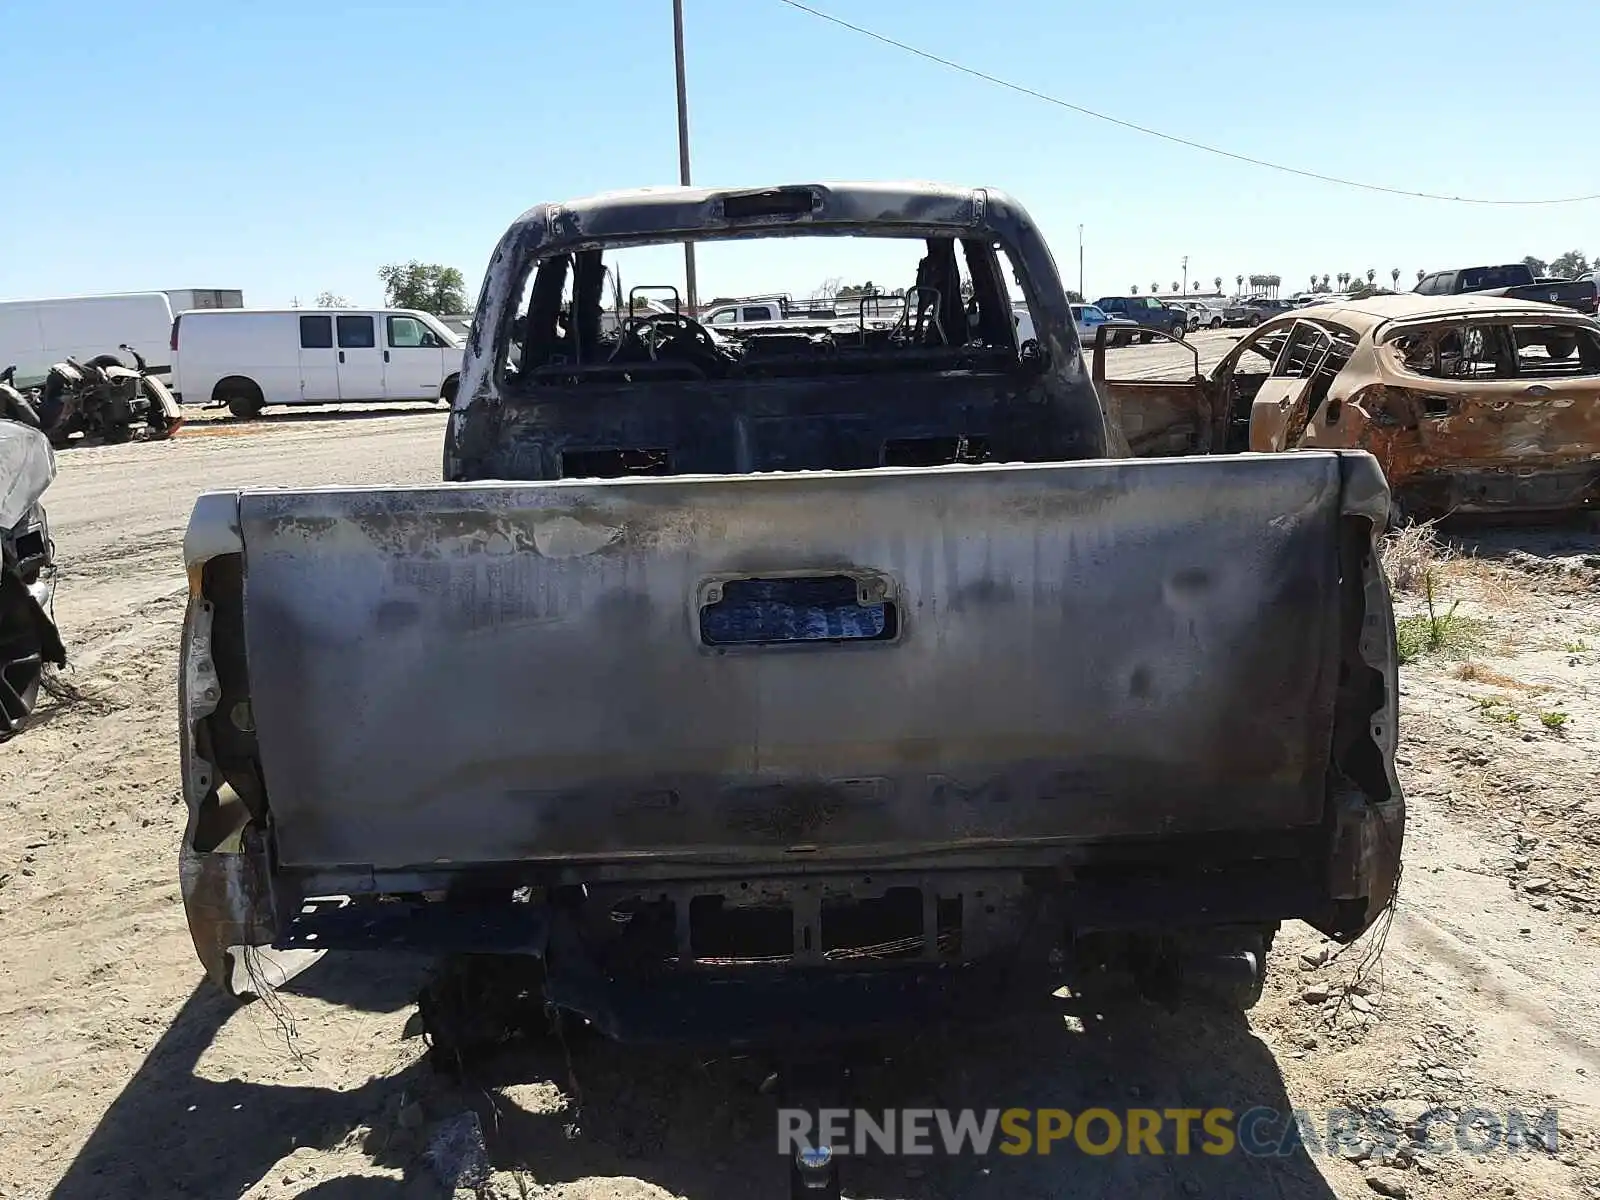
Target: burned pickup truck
x,y
1470,404
762,689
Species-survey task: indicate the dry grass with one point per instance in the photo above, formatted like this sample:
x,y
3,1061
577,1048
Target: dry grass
x,y
1473,671
1416,554
1412,555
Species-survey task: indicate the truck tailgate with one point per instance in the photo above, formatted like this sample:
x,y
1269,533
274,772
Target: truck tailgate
x,y
751,667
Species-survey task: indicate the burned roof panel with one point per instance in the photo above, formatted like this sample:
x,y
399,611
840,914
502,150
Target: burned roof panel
x,y
673,213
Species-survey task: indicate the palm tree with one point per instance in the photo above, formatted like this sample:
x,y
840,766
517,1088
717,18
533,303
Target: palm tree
x,y
1217,283
1154,287
1324,282
1134,290
1371,275
1174,285
1239,279
1313,279
1420,274
1394,277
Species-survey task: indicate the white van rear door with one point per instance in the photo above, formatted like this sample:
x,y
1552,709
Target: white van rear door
x,y
360,358
413,359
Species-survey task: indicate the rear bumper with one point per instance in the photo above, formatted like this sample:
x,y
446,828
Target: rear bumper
x,y
719,955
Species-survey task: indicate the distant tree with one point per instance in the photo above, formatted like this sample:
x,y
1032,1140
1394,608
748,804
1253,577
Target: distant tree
x,y
1537,265
1420,274
330,300
1217,283
854,290
1239,280
1371,275
1325,286
1073,297
1175,285
1570,265
1313,281
1154,288
827,289
1394,276
1134,290
427,287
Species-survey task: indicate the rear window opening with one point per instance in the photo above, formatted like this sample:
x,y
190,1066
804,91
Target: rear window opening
x,y
879,304
1500,350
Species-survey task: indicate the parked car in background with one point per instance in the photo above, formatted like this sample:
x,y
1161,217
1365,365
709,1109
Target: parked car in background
x,y
1203,314
248,358
1515,281
1147,312
1089,317
1255,309
1469,403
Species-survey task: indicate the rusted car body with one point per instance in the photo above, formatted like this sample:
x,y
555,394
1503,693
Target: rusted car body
x,y
791,684
1469,403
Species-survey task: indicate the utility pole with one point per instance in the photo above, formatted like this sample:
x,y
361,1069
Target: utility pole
x,y
1080,265
683,145
1185,274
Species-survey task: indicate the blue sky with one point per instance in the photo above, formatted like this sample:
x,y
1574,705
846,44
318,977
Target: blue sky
x,y
292,147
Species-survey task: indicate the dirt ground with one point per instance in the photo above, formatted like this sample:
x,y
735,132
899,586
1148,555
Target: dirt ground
x,y
126,1076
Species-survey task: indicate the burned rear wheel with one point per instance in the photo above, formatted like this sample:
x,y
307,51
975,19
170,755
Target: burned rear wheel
x,y
474,1004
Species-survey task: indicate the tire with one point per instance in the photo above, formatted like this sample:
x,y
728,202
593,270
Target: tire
x,y
447,392
106,360
1146,338
1255,319
1216,322
116,434
1120,338
17,407
242,397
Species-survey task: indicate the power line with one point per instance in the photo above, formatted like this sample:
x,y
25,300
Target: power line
x,y
1156,133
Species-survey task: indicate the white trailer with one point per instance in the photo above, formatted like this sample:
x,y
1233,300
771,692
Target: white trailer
x,y
34,334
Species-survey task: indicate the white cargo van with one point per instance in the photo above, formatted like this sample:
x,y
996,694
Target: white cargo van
x,y
248,358
34,334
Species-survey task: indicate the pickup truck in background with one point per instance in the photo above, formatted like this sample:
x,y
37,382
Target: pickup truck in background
x,y
1515,281
1146,312
765,690
768,309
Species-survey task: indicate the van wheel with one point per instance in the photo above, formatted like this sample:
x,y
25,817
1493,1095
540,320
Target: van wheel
x,y
242,397
447,393
1216,322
